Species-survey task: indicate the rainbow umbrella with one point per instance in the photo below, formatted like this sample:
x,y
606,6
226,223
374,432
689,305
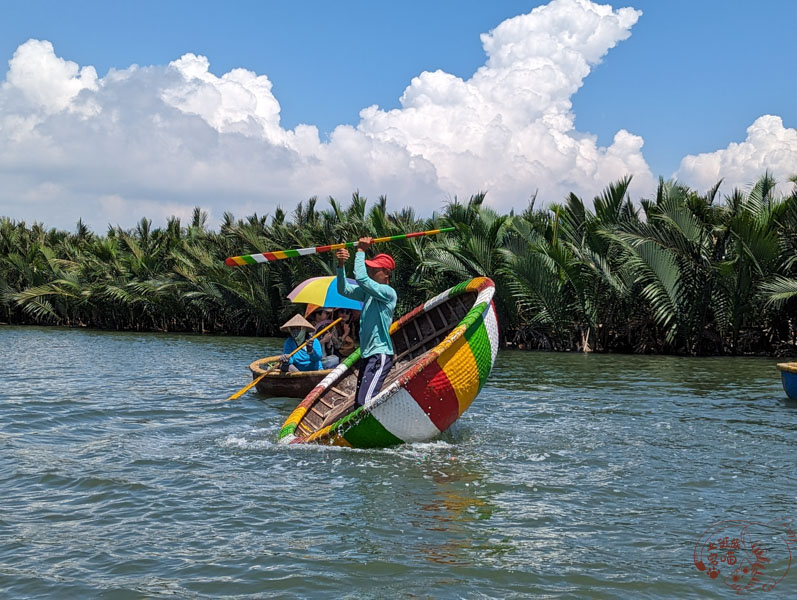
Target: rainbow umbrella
x,y
323,291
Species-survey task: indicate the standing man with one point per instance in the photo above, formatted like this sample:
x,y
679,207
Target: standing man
x,y
379,303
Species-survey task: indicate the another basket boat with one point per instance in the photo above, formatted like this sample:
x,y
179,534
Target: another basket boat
x,y
284,385
444,352
788,375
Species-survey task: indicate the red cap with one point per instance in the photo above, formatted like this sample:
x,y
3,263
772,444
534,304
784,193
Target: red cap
x,y
381,261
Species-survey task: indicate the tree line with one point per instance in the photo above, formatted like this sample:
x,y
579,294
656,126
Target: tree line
x,y
681,273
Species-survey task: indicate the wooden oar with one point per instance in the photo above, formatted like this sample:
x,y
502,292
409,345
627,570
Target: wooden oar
x,y
251,259
255,381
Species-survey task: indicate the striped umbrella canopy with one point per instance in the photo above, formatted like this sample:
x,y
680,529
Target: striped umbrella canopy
x,y
323,291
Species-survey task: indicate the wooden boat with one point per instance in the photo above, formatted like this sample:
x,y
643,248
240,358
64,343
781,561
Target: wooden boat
x,y
788,375
444,352
284,385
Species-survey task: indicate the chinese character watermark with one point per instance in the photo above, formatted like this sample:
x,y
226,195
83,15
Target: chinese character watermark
x,y
746,556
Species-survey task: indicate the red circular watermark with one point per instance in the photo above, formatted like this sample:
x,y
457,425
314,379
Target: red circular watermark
x,y
746,556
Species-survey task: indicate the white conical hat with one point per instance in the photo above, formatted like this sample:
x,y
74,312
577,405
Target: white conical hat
x,y
297,321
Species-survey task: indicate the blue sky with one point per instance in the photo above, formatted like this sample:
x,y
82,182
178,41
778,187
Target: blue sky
x,y
688,78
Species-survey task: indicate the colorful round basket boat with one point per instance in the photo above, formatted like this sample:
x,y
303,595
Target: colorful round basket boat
x,y
444,352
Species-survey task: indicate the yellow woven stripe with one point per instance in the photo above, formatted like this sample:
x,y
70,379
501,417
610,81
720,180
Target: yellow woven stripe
x,y
320,433
296,416
335,440
463,373
280,254
473,284
239,261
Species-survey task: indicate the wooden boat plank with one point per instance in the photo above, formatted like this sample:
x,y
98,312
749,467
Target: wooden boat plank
x,y
338,413
431,323
417,328
339,392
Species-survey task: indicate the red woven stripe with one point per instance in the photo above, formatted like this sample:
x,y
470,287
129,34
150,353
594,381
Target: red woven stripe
x,y
311,397
323,248
269,256
409,316
416,234
433,392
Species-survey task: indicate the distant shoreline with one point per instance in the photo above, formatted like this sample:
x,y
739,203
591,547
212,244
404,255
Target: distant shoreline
x,y
685,274
509,346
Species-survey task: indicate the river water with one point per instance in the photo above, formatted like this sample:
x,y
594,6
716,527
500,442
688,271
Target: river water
x,y
125,474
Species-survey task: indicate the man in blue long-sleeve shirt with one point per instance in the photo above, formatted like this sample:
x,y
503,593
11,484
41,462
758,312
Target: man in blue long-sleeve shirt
x,y
379,302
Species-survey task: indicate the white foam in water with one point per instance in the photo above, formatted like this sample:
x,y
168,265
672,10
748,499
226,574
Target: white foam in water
x,y
261,439
538,457
234,441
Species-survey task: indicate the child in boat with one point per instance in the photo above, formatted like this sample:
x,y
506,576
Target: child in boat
x,y
306,359
379,303
320,318
344,335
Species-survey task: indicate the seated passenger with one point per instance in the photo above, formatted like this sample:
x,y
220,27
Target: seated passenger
x,y
306,359
344,336
320,318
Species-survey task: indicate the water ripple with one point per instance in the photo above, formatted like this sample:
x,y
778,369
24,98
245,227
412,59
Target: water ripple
x,y
124,473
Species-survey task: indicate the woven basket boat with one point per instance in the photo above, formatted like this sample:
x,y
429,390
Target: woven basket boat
x,y
284,385
788,376
444,352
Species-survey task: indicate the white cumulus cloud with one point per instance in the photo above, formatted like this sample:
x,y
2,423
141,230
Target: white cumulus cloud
x,y
768,146
142,141
49,83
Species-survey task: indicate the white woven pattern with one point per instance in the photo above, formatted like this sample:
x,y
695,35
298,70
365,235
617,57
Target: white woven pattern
x,y
402,417
491,324
439,299
333,376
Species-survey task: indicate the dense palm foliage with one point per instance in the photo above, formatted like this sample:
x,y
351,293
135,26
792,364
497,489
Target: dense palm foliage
x,y
683,272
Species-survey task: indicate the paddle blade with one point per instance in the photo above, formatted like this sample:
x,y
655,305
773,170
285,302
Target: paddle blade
x,y
246,388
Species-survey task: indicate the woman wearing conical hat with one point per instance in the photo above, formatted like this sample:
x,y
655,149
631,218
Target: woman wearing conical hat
x,y
306,359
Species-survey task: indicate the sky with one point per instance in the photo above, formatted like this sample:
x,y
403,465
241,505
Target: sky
x,y
111,112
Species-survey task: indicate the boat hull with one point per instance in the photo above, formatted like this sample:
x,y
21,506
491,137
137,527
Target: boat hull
x,y
285,385
788,375
428,396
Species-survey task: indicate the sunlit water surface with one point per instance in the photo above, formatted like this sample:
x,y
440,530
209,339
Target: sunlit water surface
x,y
125,474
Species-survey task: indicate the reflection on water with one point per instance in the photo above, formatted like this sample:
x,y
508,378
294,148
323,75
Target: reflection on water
x,y
124,472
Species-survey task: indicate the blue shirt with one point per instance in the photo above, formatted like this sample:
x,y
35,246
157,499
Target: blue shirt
x,y
303,360
379,303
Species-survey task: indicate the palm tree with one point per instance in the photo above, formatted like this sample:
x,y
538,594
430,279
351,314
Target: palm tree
x,y
475,249
689,273
751,234
670,254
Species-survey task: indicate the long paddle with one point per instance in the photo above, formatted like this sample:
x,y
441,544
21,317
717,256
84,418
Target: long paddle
x,y
255,381
252,259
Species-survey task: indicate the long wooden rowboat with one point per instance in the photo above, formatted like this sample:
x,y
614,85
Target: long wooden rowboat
x,y
444,352
788,375
284,385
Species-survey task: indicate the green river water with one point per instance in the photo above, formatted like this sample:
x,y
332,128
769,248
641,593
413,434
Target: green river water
x,y
125,474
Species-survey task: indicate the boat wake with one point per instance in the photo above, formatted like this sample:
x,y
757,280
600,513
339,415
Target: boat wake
x,y
260,439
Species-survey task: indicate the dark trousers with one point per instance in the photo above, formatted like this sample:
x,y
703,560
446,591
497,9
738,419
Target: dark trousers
x,y
373,371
